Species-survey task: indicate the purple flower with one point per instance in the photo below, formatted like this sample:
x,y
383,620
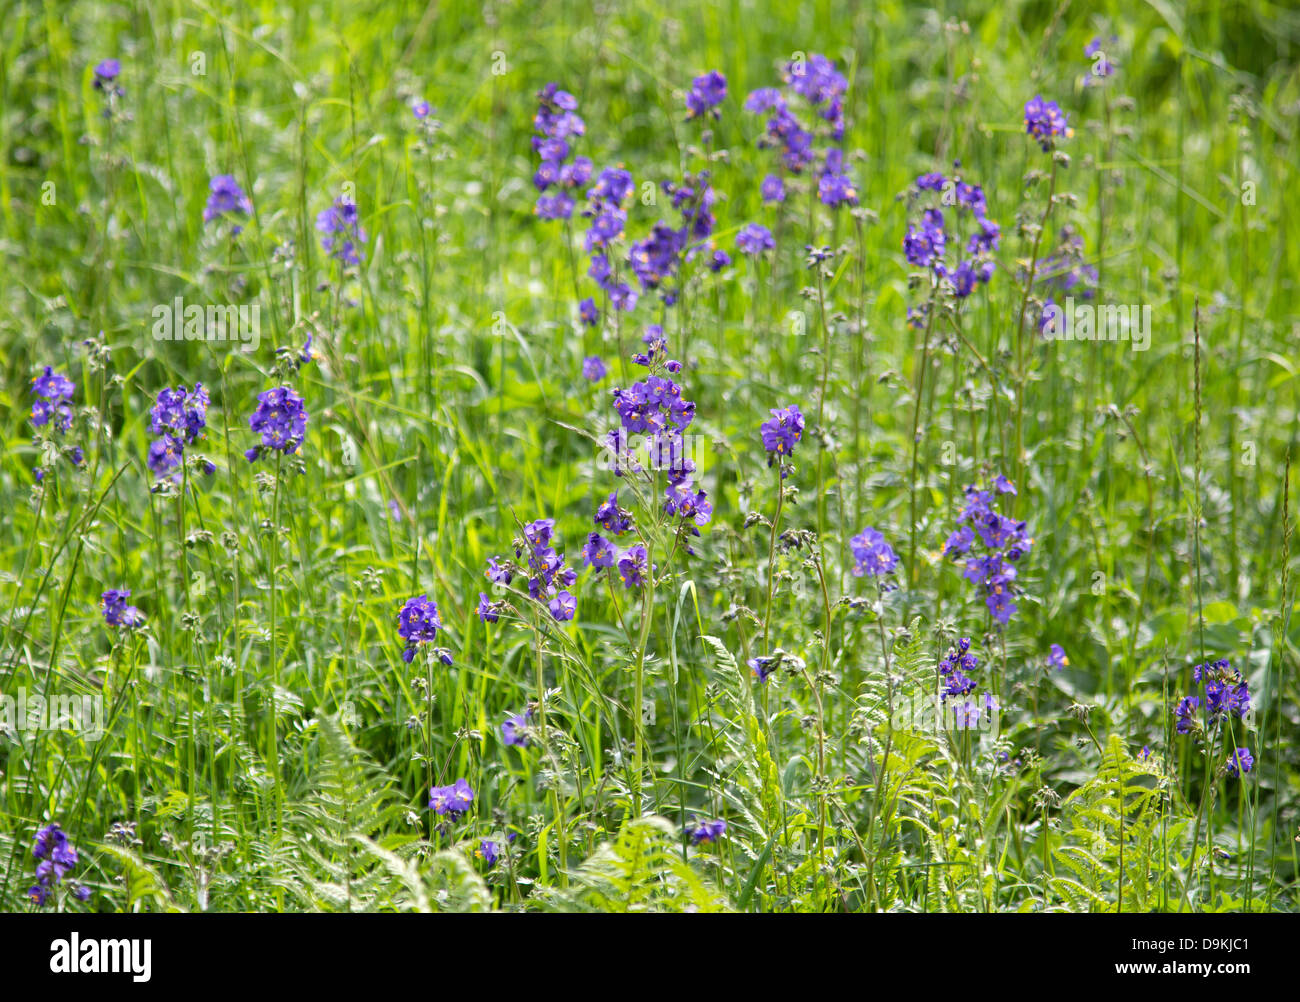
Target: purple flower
x,y
589,315
772,189
106,72
418,623
281,420
594,369
52,391
515,729
754,239
783,431
420,108
708,831
1044,121
1057,658
488,611
707,92
56,858
117,612
1185,713
1240,761
563,606
488,852
632,566
341,231
872,556
451,801
599,552
611,517
762,667
225,196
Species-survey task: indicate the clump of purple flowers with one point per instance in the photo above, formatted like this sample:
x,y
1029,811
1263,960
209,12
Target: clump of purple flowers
x,y
549,576
418,623
608,220
1044,122
781,433
117,613
281,420
52,391
872,555
55,859
707,92
341,231
1224,693
926,244
179,418
554,125
451,801
753,239
992,544
225,196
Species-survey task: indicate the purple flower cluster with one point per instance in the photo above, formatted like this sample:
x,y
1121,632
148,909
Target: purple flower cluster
x,y
781,433
872,555
707,92
1239,762
418,623
554,125
52,391
55,859
451,801
179,418
1044,121
753,239
281,420
954,670
1003,542
548,575
925,245
341,231
607,222
117,613
225,196
1224,693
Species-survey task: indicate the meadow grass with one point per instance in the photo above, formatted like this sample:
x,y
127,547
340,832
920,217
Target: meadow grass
x,y
265,746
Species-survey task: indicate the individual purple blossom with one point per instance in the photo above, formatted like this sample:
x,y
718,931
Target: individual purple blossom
x,y
418,623
610,517
451,801
772,189
563,606
420,108
106,74
753,239
593,369
872,555
632,566
588,314
708,831
488,852
1056,658
488,611
599,552
514,731
762,666
1240,761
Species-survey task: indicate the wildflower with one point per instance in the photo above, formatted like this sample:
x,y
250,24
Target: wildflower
x,y
52,391
632,566
1186,714
225,196
56,858
515,729
599,552
590,316
753,239
762,666
1240,761
420,108
1056,658
872,556
341,231
451,801
563,606
783,431
281,419
834,186
488,852
488,611
594,369
417,623
106,74
707,92
1044,121
1102,66
708,831
117,612
772,189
